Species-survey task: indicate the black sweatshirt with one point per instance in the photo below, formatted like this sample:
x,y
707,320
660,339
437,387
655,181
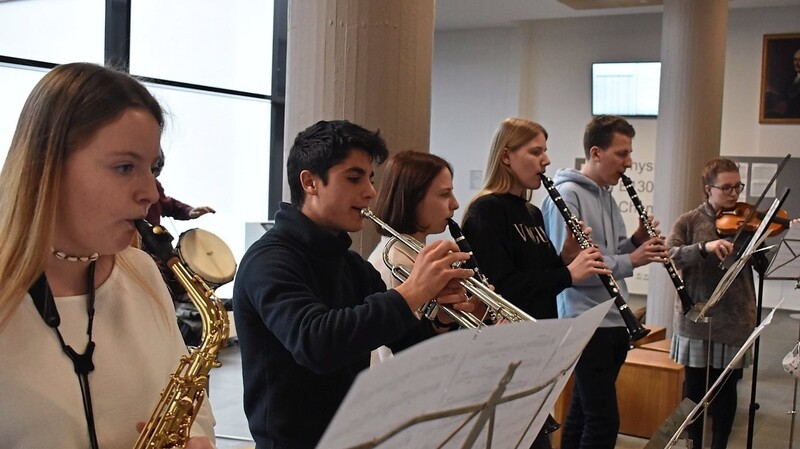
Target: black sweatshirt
x,y
507,236
307,316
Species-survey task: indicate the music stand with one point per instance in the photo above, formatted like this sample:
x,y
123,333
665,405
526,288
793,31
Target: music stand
x,y
785,266
495,386
657,439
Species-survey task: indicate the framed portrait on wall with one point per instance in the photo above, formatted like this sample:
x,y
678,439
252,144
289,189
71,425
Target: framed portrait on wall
x,y
780,79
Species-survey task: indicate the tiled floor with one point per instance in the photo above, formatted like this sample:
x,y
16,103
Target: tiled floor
x,y
774,394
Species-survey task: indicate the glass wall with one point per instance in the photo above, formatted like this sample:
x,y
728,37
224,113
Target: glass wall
x,y
214,147
210,64
56,31
15,84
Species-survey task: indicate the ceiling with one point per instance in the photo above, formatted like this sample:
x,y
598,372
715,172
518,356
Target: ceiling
x,y
464,14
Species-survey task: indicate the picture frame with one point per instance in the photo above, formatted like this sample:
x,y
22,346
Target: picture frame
x,y
780,79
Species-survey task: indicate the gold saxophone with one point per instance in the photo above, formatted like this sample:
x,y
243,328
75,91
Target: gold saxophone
x,y
172,418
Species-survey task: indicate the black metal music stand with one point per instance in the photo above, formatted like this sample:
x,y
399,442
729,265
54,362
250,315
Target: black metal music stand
x,y
657,441
785,266
761,269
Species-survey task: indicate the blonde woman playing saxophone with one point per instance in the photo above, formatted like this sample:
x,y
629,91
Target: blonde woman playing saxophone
x,y
88,336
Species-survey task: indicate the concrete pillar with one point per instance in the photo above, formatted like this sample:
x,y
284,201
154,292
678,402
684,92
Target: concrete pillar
x,y
689,123
367,61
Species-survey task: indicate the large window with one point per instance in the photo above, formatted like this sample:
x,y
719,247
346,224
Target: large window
x,y
229,43
56,31
217,67
17,82
215,155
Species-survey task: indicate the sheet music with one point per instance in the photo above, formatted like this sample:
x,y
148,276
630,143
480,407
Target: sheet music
x,y
760,175
463,369
744,172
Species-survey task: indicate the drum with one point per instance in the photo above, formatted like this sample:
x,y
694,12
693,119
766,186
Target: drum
x,y
207,256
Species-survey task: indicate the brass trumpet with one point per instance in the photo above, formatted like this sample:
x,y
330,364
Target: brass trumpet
x,y
498,308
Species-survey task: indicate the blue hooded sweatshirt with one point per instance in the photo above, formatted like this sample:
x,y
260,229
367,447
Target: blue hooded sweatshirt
x,y
597,209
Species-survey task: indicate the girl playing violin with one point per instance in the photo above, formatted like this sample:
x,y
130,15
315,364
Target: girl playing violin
x,y
697,249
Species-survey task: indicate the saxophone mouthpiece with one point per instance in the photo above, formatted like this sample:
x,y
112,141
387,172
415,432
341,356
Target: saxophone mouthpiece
x,y
155,239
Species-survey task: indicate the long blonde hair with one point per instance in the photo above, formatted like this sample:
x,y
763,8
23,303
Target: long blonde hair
x,y
512,134
64,110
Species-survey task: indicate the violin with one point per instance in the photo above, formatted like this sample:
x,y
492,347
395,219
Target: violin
x,y
730,221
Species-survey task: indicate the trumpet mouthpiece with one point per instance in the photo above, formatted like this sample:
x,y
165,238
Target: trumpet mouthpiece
x,y
366,213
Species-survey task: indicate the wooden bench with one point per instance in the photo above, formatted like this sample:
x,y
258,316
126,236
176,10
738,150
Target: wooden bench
x,y
649,387
657,333
661,346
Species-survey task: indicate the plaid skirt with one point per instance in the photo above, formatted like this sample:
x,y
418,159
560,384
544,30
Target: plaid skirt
x,y
693,353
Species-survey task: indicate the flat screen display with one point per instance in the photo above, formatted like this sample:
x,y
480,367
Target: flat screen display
x,y
626,88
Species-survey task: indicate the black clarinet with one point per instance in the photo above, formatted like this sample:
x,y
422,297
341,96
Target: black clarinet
x,y
550,424
461,241
686,301
635,328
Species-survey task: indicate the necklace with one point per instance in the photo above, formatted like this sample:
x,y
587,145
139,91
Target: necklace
x,y
64,256
46,305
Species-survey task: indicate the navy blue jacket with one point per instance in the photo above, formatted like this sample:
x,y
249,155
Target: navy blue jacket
x,y
308,312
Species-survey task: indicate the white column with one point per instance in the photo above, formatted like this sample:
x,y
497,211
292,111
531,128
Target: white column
x,y
689,122
366,61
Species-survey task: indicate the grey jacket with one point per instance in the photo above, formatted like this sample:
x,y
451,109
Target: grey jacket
x,y
597,209
734,316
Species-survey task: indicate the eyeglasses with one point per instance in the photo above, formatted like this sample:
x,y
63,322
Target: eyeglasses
x,y
738,187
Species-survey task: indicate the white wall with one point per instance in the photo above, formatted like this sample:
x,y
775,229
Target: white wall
x,y
742,135
475,87
476,77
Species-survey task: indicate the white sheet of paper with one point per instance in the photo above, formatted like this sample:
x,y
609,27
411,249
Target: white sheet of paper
x,y
463,369
760,174
744,172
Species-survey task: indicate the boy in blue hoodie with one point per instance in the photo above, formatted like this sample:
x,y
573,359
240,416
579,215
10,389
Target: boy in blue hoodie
x,y
593,417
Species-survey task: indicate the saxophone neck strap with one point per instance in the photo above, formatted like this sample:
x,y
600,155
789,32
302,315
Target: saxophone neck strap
x,y
46,305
